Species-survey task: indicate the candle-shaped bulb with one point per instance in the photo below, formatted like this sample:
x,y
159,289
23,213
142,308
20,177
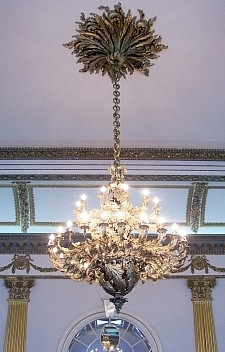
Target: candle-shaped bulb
x,y
60,229
120,215
161,221
145,193
103,189
69,225
175,228
52,237
84,217
104,215
125,186
183,235
144,218
78,204
83,197
156,200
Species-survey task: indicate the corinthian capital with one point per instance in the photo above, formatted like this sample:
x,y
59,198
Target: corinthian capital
x,y
201,287
19,288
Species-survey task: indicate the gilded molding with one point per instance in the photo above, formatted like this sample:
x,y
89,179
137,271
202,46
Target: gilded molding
x,y
106,178
24,207
201,287
196,205
28,153
19,288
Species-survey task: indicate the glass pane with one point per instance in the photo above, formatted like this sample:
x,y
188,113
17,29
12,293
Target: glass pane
x,y
88,339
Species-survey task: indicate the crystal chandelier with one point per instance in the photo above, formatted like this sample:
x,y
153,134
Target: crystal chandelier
x,y
118,248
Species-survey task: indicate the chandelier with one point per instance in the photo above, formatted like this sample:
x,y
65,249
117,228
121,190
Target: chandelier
x,y
122,243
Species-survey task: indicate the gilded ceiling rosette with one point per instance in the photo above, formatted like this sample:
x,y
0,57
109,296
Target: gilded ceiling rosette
x,y
115,43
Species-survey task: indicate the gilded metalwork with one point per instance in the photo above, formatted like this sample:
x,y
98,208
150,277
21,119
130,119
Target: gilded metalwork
x,y
115,43
196,205
107,154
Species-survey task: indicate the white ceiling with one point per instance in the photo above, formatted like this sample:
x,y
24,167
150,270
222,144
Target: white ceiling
x,y
45,101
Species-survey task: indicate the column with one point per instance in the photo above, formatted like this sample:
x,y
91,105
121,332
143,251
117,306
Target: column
x,y
205,337
19,292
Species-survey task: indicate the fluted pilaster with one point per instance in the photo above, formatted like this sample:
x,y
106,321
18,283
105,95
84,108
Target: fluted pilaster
x,y
19,292
205,337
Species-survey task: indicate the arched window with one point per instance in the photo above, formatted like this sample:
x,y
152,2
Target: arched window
x,y
84,335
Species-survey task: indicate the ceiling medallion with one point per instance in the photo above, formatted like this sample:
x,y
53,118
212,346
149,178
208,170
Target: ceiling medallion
x,y
119,248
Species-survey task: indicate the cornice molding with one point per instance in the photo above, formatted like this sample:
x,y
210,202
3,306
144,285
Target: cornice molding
x,y
37,244
106,178
27,153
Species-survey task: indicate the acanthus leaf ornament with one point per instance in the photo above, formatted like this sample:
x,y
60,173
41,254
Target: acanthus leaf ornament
x,y
115,39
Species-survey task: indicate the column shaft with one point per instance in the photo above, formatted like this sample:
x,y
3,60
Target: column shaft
x,y
205,337
19,290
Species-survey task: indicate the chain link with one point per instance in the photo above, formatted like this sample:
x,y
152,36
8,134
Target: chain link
x,y
116,122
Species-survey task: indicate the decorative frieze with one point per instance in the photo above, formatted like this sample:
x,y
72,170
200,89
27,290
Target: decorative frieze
x,y
107,154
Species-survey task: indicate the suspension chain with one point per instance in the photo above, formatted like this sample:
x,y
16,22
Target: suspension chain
x,y
116,122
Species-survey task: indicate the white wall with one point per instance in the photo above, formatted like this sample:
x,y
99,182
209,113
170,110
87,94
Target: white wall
x,y
55,304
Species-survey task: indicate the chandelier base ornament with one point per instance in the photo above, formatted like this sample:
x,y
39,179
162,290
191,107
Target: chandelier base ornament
x,y
122,244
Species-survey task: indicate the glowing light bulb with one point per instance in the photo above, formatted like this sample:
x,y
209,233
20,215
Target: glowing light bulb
x,y
120,215
156,200
183,235
61,256
83,197
145,192
52,237
104,215
143,217
55,250
161,221
69,224
60,229
84,216
78,204
125,186
103,189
